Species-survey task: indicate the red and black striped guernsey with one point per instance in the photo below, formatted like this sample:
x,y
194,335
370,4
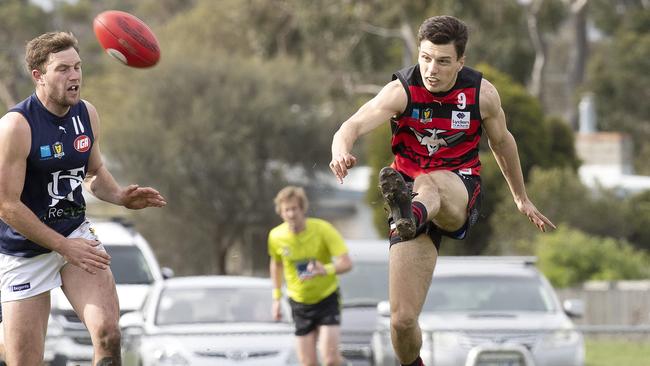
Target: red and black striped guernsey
x,y
438,131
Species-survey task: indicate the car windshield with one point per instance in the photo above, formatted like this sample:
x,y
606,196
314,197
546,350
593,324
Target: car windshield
x,y
367,282
128,265
214,305
488,294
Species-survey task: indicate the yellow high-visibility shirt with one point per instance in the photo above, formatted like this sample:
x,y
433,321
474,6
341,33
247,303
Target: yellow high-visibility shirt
x,y
318,241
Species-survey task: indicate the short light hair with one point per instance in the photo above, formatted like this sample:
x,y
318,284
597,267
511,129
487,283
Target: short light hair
x,y
290,192
39,49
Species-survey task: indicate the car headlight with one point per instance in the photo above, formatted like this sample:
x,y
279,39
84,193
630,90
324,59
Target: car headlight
x,y
169,357
561,338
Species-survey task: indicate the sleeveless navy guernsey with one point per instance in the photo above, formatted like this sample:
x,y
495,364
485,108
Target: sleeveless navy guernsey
x,y
438,131
56,168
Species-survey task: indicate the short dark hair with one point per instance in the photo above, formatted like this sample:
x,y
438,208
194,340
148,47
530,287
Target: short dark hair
x,y
38,49
444,29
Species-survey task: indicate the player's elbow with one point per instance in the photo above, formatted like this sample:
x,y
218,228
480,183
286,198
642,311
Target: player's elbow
x,y
502,143
347,132
8,207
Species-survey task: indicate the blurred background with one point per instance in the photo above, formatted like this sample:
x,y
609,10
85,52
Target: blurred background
x,y
248,94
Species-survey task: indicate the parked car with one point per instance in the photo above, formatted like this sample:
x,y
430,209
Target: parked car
x,y
490,311
208,320
361,290
135,269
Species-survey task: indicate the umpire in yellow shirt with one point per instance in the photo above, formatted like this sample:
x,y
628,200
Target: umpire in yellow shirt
x,y
310,253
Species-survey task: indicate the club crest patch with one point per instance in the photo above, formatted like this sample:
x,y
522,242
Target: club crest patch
x,y
58,150
427,115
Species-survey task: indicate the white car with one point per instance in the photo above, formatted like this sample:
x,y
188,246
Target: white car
x,y
490,311
361,290
135,269
208,320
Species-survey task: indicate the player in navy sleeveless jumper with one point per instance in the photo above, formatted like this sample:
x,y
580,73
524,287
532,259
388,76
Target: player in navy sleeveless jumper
x,y
438,110
49,147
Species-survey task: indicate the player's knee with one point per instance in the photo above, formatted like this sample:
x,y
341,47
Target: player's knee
x,y
333,361
331,356
402,322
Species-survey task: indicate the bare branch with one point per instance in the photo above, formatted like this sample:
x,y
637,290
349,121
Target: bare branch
x,y
6,96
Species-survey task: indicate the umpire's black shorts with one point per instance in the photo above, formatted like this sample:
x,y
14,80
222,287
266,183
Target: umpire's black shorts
x,y
309,316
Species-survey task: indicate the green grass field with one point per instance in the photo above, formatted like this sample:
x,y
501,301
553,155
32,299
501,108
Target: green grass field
x,y
617,352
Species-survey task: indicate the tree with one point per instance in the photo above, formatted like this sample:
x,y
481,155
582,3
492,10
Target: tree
x,y
560,195
19,21
219,127
618,77
569,257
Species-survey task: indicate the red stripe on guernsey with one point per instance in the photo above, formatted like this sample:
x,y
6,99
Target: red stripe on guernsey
x,y
444,123
422,95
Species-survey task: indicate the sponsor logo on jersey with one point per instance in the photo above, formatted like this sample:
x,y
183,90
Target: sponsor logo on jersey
x,y
82,143
21,287
415,114
58,150
460,120
46,152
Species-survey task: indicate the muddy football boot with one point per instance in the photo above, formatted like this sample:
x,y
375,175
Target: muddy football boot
x,y
398,197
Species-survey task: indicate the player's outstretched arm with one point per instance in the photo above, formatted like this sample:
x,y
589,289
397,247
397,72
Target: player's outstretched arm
x,y
390,101
504,148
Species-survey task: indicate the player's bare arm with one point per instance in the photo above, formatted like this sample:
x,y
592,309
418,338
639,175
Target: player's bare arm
x,y
100,182
390,101
341,264
276,269
504,148
15,142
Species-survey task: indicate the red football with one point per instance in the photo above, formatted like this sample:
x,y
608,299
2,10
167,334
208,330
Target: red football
x,y
126,38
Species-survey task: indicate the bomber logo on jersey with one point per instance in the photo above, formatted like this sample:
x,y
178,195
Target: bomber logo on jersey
x,y
58,150
460,120
82,143
436,139
46,152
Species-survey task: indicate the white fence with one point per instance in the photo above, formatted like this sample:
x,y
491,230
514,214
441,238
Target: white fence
x,y
613,307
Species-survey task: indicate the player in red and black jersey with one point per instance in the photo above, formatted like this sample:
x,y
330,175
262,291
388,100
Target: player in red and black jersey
x,y
438,110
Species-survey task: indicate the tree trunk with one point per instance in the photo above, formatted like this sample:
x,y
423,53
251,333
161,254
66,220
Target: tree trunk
x,y
578,56
5,95
536,86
